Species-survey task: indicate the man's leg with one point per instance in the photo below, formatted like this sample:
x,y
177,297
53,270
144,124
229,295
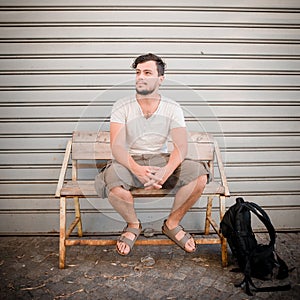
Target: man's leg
x,y
123,202
185,198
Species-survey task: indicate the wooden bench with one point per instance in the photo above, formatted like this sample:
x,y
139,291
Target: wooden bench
x,y
94,147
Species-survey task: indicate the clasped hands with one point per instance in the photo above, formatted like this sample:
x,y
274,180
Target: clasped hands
x,y
153,177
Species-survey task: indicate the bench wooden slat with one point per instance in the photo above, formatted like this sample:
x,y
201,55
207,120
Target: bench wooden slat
x,y
96,145
91,151
86,188
104,137
196,151
146,242
91,137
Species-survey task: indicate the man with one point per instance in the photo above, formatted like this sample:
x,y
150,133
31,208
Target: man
x,y
139,130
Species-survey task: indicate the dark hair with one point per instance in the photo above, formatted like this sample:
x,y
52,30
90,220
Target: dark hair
x,y
148,57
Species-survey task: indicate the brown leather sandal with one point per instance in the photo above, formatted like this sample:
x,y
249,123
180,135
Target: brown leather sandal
x,y
127,241
171,233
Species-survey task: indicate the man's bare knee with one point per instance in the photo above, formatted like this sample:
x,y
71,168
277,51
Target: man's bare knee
x,y
199,183
202,180
121,193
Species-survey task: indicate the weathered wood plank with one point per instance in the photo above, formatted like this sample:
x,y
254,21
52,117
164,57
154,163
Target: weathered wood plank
x,y
198,151
86,188
96,145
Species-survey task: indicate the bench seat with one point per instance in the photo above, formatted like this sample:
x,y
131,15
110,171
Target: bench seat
x,y
86,188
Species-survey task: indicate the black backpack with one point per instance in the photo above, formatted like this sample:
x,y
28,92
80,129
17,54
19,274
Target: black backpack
x,y
254,260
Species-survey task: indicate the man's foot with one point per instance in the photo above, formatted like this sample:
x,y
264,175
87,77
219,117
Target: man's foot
x,y
127,239
182,238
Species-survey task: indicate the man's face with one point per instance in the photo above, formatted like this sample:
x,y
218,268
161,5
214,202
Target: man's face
x,y
147,79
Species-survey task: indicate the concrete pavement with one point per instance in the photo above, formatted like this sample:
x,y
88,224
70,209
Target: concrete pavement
x,y
29,270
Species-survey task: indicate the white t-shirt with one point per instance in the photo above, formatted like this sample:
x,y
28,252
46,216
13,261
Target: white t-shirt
x,y
147,135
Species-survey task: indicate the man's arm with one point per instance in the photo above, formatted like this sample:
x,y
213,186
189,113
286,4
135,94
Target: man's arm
x,y
179,139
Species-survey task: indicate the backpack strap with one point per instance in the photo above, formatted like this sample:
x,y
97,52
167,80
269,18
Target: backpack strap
x,y
264,218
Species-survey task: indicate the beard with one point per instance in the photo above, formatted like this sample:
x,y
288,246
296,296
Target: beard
x,y
144,92
142,87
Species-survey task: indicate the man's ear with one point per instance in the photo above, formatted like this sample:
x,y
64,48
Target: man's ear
x,y
161,79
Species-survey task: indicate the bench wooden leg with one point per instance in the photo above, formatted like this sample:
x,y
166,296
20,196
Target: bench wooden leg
x,y
62,233
78,216
224,254
208,215
222,207
223,240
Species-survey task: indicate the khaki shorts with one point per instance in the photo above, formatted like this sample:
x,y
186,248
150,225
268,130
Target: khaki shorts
x,y
115,174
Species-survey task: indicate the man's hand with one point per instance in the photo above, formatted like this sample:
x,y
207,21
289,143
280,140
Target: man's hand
x,y
143,172
157,177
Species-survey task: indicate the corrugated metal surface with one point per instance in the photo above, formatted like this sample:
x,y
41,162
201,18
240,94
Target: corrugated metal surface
x,y
233,65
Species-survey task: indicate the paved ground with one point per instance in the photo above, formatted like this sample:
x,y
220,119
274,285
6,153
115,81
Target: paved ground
x,y
29,270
